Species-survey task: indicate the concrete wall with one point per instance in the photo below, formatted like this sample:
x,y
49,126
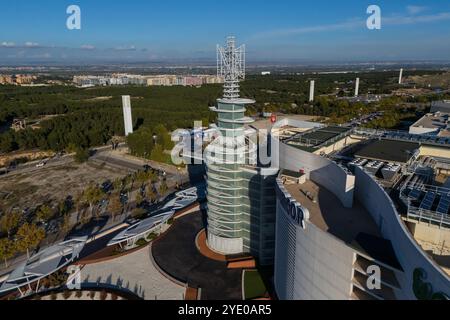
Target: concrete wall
x,y
347,141
320,170
310,264
409,253
431,234
434,151
421,130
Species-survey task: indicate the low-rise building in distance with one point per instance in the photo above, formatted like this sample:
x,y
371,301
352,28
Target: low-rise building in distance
x,y
153,80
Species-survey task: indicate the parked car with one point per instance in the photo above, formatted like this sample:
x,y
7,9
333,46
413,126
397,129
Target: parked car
x,y
40,164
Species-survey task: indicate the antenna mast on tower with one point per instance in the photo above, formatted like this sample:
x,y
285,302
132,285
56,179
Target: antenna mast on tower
x,y
231,66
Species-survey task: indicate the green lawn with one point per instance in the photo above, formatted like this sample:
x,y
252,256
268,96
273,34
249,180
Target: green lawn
x,y
253,285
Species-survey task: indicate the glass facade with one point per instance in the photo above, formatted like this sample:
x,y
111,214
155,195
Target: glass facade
x,y
241,200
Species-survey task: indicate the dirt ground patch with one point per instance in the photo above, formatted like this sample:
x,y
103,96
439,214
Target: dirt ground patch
x,y
30,155
53,183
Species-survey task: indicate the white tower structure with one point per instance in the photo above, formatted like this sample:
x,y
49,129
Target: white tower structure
x,y
128,122
311,91
236,186
400,78
357,87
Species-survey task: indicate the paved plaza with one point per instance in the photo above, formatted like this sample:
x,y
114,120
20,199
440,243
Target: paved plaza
x,y
136,273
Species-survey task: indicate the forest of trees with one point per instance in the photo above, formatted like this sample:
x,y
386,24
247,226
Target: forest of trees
x,y
91,117
84,122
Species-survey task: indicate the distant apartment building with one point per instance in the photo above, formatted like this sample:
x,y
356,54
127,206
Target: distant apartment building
x,y
434,123
17,79
156,80
5,79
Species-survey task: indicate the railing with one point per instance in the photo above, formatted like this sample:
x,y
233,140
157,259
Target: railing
x,y
443,220
403,136
422,215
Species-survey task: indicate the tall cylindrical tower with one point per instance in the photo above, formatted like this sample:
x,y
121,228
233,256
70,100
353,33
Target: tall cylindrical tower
x,y
227,155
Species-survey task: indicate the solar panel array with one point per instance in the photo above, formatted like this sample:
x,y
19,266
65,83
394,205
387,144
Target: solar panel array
x,y
406,136
435,140
444,204
427,202
415,194
430,199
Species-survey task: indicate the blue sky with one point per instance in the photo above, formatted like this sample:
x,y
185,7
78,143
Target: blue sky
x,y
283,30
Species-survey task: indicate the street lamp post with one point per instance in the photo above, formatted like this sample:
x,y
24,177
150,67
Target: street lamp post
x,y
179,177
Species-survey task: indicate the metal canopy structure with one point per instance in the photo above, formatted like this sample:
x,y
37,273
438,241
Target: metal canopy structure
x,y
141,229
184,199
43,264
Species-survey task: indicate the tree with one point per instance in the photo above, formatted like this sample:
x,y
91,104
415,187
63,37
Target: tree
x,y
6,250
28,237
9,222
92,195
142,177
163,137
158,154
151,194
139,213
82,155
44,213
66,225
139,199
163,188
65,206
153,177
117,184
115,206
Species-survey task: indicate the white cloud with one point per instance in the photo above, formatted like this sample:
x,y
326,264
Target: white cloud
x,y
405,20
30,44
359,23
415,9
126,48
351,24
8,44
87,47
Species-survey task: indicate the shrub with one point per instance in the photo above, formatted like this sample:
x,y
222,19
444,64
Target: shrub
x,y
92,295
53,296
139,213
67,294
79,294
117,250
114,296
103,295
82,155
141,242
58,279
152,236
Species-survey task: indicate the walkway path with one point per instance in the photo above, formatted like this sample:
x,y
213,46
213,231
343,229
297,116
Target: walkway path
x,y
136,273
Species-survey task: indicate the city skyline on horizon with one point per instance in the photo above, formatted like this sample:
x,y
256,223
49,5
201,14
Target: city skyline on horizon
x,y
288,32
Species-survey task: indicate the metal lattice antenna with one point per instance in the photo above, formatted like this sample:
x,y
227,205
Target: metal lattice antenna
x,y
231,66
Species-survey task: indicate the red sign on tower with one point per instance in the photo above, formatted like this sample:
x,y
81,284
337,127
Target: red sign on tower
x,y
273,118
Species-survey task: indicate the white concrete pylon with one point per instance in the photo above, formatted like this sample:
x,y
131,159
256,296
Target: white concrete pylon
x,y
128,121
311,91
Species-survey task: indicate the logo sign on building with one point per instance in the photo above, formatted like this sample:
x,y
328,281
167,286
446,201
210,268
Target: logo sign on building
x,y
273,118
294,210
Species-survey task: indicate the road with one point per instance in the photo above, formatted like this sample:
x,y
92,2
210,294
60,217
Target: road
x,y
56,161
